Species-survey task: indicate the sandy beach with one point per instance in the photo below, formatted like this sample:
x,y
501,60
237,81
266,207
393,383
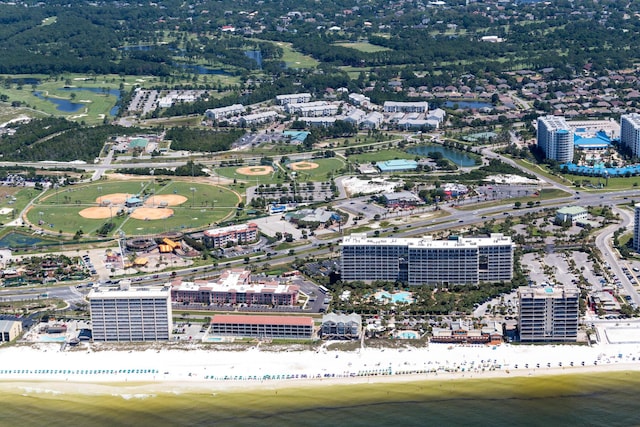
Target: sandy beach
x,y
108,371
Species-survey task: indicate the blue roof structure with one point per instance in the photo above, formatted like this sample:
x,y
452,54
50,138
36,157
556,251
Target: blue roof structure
x,y
600,170
599,142
397,165
296,136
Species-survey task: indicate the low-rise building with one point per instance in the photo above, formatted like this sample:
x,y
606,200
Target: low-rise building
x,y
296,98
406,107
224,112
373,120
359,99
312,109
255,326
236,234
258,118
10,330
235,287
341,326
463,332
571,214
402,199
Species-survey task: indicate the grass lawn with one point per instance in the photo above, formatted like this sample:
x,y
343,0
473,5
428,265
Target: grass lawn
x,y
365,47
251,180
295,59
206,204
90,94
380,155
326,167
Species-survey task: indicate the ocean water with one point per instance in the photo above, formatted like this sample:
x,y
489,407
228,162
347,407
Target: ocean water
x,y
603,399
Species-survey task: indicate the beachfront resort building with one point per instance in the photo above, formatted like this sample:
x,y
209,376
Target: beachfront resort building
x,y
548,314
240,234
10,330
235,287
555,138
341,326
131,314
464,332
630,132
256,326
424,261
636,228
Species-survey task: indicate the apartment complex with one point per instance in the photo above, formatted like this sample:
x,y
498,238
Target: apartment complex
x,y
236,234
295,98
131,314
406,107
548,314
253,326
424,261
224,112
630,132
234,287
555,138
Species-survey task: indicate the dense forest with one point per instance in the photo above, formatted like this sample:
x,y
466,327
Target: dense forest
x,y
200,140
115,37
58,140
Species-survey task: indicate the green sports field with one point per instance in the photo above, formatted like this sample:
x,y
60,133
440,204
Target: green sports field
x,y
58,210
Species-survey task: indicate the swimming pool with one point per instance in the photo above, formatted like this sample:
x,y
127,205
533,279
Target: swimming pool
x,y
408,335
51,339
213,339
404,297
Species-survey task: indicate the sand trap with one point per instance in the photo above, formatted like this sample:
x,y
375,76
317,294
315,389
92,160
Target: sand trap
x,y
114,198
168,199
255,170
98,212
301,166
151,213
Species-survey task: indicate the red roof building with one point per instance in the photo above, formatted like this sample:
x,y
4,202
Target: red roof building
x,y
256,326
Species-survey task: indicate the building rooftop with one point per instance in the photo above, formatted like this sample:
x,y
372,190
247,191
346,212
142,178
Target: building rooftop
x,y
426,242
262,320
125,293
572,210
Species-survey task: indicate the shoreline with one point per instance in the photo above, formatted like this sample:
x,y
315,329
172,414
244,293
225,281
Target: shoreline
x,y
148,389
198,370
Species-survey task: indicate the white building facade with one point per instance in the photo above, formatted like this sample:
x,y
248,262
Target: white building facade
x,y
131,314
630,132
548,314
424,261
555,138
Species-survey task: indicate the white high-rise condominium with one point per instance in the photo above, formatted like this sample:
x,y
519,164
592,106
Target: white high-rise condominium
x,y
548,313
555,138
131,314
630,132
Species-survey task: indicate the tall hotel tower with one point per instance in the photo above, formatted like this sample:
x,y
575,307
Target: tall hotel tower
x,y
555,138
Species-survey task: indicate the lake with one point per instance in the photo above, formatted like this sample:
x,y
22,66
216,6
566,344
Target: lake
x,y
113,92
458,157
63,105
17,240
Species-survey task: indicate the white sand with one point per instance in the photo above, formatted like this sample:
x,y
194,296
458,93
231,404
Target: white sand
x,y
209,369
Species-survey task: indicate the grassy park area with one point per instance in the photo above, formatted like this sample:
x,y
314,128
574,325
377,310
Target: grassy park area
x,y
199,205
